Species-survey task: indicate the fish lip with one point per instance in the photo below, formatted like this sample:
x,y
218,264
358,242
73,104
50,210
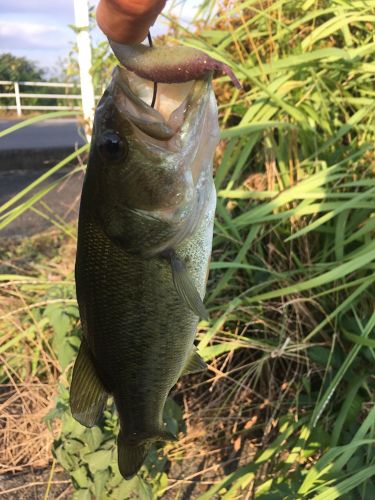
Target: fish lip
x,y
156,125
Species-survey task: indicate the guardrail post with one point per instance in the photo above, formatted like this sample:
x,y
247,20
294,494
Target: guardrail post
x,y
18,98
81,9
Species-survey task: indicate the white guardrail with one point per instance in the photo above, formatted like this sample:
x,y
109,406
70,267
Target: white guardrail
x,y
18,96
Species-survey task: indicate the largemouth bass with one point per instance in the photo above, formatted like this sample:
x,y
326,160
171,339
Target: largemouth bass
x,y
144,244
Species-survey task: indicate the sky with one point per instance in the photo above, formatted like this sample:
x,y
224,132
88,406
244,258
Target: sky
x,y
38,29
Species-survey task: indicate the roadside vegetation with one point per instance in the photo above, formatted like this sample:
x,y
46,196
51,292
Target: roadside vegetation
x,y
286,408
20,69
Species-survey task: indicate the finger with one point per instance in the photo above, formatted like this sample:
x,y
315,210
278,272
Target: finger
x,y
127,21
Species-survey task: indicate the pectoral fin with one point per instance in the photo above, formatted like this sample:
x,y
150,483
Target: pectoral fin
x,y
87,394
186,288
194,364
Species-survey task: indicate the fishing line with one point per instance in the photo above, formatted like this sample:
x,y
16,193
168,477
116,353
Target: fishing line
x,y
155,84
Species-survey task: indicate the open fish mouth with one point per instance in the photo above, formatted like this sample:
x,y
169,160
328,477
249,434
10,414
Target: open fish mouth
x,y
173,106
174,124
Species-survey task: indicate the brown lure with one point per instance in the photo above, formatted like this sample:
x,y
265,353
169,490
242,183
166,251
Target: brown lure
x,y
169,64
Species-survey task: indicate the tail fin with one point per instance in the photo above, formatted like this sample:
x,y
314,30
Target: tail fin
x,y
132,455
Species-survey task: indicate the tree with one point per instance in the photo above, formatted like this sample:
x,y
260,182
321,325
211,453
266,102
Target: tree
x,y
19,69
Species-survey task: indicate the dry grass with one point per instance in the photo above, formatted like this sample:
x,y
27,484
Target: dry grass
x,y
25,439
30,368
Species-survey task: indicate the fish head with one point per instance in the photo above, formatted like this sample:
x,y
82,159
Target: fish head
x,y
150,169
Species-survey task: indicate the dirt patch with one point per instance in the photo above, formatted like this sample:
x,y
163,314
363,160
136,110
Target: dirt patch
x,y
36,484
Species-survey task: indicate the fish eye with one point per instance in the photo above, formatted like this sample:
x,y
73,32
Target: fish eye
x,y
111,146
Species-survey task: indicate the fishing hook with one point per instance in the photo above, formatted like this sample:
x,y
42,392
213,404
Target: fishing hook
x,y
155,84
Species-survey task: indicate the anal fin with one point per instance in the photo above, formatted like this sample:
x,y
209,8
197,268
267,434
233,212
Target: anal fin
x,y
87,394
194,364
186,288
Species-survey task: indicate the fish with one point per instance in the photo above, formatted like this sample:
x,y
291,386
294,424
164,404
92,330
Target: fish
x,y
144,244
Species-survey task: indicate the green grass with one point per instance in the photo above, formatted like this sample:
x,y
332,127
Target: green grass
x,y
288,402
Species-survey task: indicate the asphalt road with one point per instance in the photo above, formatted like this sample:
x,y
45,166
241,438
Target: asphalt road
x,y
24,156
60,204
57,133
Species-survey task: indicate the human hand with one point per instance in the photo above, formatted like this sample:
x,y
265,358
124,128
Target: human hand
x,y
127,21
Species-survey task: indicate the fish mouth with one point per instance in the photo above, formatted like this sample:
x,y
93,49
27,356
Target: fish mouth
x,y
168,118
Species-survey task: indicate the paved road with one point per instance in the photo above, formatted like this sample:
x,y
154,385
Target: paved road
x,y
57,133
38,145
63,200
25,155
